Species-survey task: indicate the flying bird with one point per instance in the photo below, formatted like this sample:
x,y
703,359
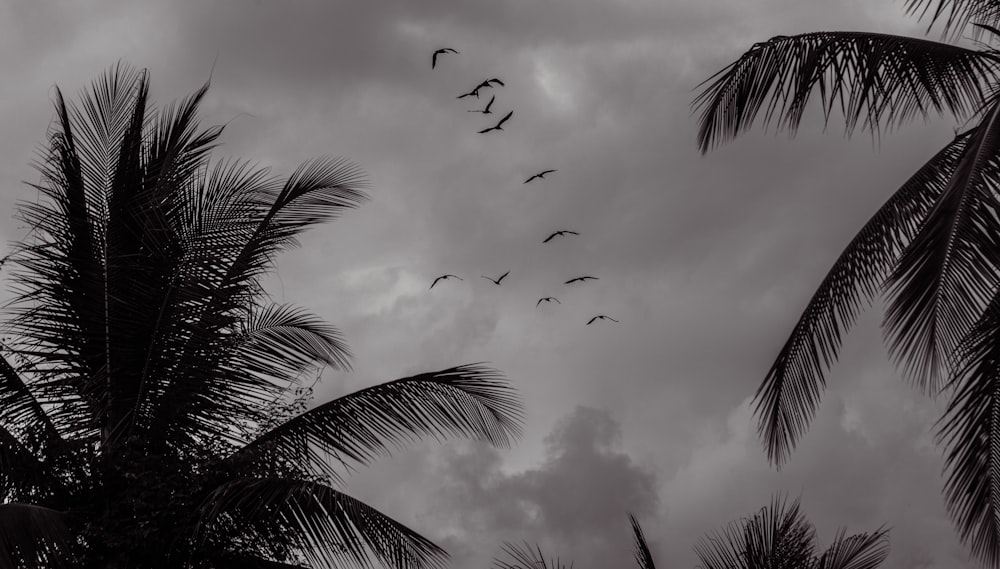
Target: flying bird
x,y
499,125
547,299
581,279
487,110
600,317
444,277
489,83
434,58
540,175
472,93
496,281
559,233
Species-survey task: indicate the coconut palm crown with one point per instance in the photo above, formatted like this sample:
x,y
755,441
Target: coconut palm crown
x,y
933,249
143,367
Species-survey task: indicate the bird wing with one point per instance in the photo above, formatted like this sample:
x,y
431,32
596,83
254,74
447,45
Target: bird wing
x,y
550,237
548,172
502,277
591,321
530,179
591,278
571,281
571,232
436,281
485,130
434,59
490,104
504,119
498,82
611,319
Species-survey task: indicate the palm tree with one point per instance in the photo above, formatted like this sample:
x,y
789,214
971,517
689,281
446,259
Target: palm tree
x,y
777,537
933,249
142,364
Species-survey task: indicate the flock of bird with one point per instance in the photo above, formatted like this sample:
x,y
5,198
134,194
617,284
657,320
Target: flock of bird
x,y
492,83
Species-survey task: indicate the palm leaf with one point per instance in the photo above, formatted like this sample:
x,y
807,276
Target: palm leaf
x,y
777,536
643,557
956,15
970,430
32,536
333,528
527,557
284,340
465,401
787,399
861,551
948,272
317,191
873,78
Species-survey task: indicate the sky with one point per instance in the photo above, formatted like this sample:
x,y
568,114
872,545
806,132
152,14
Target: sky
x,y
705,261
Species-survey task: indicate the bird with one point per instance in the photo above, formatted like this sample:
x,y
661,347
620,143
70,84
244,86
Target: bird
x,y
547,299
472,93
560,232
540,175
434,58
444,277
496,281
487,110
581,279
499,125
489,83
600,317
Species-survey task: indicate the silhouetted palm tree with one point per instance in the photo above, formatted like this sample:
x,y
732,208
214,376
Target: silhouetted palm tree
x,y
933,249
143,363
777,537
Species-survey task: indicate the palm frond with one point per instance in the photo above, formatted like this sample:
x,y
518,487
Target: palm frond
x,y
32,536
466,401
284,340
970,430
955,15
861,551
643,557
333,528
777,536
317,191
948,272
527,557
787,399
875,79
226,560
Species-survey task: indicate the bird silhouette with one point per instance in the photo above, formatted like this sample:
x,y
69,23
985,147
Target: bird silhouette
x,y
445,277
496,281
489,84
600,317
558,233
434,58
547,299
472,93
581,279
499,125
540,175
487,110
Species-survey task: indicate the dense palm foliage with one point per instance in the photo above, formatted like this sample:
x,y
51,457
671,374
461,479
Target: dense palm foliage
x,y
933,249
144,417
777,537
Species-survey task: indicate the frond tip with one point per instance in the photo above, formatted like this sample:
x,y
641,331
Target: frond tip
x,y
468,401
875,79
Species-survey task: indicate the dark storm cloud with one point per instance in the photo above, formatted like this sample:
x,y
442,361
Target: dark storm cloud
x,y
573,504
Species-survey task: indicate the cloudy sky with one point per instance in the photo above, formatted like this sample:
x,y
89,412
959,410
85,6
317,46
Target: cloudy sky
x,y
705,261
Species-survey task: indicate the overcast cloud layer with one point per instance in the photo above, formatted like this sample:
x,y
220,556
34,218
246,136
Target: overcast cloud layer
x,y
705,261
